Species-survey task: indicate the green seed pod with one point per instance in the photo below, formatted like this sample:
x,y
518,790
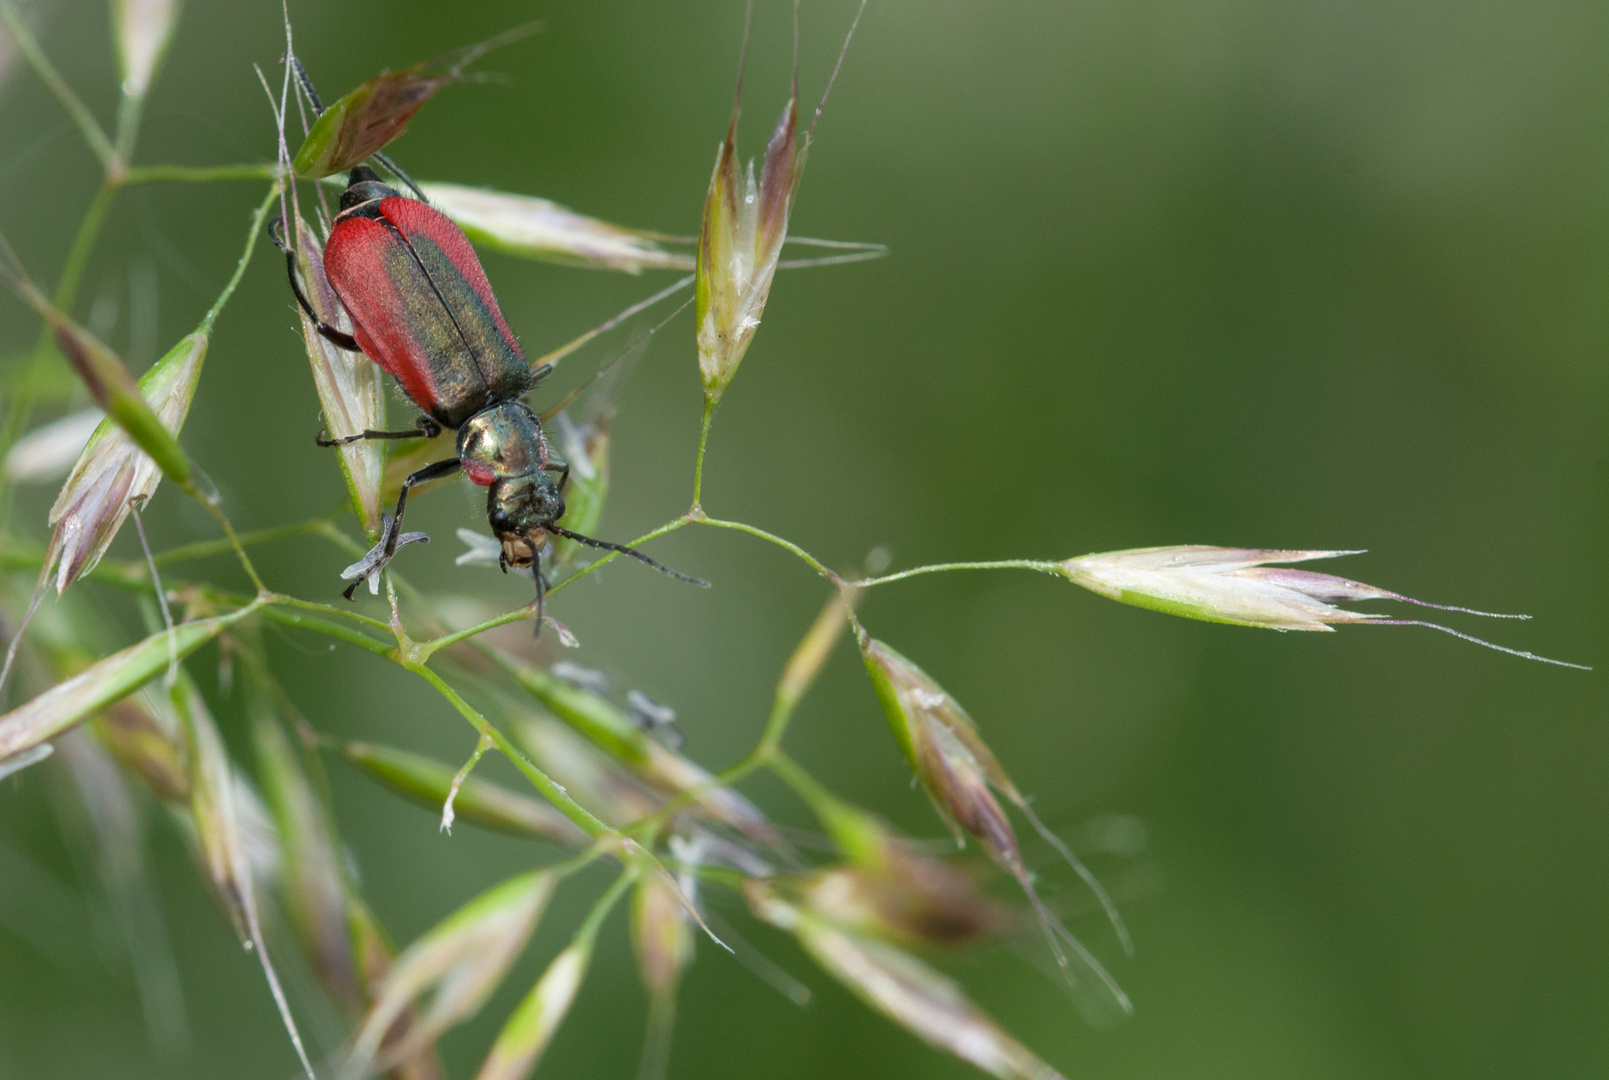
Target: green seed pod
x,y
526,1035
463,959
145,742
942,745
311,880
925,1002
660,934
426,781
609,728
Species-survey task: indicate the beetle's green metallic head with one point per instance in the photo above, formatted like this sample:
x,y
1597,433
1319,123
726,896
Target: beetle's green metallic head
x,y
520,508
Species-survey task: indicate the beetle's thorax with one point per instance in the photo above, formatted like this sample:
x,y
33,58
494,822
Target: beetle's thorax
x,y
502,448
503,440
363,193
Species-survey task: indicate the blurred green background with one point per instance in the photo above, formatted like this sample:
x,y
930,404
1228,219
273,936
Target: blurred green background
x,y
1278,273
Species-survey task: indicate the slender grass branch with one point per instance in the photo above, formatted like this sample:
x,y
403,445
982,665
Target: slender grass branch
x,y
813,562
129,110
519,614
798,675
257,220
823,803
197,174
588,930
703,442
211,500
66,291
299,619
282,600
72,271
88,126
550,789
204,548
940,568
211,503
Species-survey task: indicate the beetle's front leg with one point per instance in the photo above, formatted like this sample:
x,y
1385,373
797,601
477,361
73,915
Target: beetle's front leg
x,y
392,536
541,592
434,471
563,469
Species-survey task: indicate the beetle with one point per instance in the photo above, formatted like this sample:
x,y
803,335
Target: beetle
x,y
422,308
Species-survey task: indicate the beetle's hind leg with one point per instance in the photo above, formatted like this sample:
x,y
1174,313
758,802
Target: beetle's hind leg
x,y
339,338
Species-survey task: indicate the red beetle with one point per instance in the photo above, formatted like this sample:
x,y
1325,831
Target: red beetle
x,y
422,309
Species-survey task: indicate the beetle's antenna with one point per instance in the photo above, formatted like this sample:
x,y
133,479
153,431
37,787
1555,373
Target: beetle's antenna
x,y
306,84
624,550
396,170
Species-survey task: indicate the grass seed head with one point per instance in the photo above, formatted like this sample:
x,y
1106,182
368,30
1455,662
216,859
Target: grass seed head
x,y
143,29
426,781
312,878
524,1039
740,241
112,471
538,229
1235,585
941,743
1227,585
364,120
661,934
900,896
463,959
145,741
923,1001
108,680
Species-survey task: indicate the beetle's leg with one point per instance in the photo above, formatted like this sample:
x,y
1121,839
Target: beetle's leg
x,y
541,592
339,338
430,472
427,429
389,542
563,469
538,374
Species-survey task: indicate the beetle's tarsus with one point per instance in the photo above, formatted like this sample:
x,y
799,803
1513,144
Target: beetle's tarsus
x,y
380,555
